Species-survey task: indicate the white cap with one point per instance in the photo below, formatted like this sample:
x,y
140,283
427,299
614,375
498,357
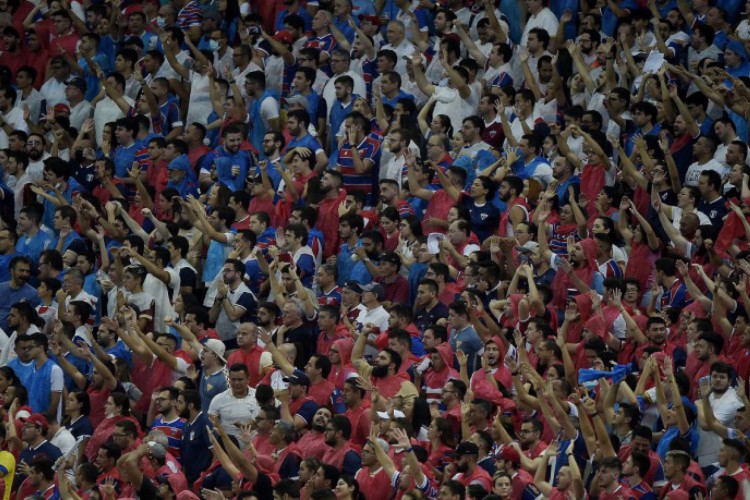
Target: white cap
x,y
217,347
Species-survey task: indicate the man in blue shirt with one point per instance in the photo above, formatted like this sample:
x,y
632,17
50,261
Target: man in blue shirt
x,y
34,434
32,241
17,289
7,252
350,266
195,439
178,177
230,148
125,130
462,335
390,86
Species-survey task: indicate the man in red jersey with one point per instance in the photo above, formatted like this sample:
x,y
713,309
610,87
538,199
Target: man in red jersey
x,y
730,458
467,454
328,210
372,478
248,352
675,468
607,481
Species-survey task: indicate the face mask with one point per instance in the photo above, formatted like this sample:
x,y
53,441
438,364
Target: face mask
x,y
213,45
161,22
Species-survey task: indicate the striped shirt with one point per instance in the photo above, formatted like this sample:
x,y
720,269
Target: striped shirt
x,y
354,181
190,15
173,430
325,43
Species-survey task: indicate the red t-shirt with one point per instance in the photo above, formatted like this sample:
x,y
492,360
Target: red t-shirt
x,y
377,485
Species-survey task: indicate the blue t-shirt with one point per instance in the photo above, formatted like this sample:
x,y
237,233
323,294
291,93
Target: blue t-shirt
x,y
471,345
194,447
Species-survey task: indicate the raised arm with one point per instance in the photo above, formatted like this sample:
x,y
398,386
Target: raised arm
x,y
424,127
425,86
169,53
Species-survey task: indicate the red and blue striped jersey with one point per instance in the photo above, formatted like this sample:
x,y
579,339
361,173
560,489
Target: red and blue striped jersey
x,y
353,181
173,430
325,43
190,15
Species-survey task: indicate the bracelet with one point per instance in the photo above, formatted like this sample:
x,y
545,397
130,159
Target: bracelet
x,y
407,450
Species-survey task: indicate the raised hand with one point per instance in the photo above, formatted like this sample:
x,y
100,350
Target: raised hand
x,y
462,358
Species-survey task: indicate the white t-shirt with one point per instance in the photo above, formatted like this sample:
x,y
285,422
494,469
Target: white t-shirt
x,y
269,110
199,104
545,19
107,111
449,103
329,90
14,117
79,113
378,317
404,49
724,408
694,171
231,410
53,92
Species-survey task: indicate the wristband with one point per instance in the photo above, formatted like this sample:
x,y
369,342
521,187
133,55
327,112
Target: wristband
x,y
407,450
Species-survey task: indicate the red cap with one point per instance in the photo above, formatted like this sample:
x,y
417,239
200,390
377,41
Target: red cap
x,y
62,108
372,19
510,454
36,419
283,36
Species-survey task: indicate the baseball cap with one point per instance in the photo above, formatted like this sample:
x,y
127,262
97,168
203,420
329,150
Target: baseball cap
x,y
180,163
284,37
61,108
78,82
299,100
298,378
77,246
375,288
529,246
37,419
354,286
509,454
467,448
391,258
217,347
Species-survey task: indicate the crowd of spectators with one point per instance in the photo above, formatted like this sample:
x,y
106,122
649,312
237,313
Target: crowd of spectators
x,y
401,249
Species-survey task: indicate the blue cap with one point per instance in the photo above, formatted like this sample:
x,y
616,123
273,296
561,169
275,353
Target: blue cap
x,y
180,163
